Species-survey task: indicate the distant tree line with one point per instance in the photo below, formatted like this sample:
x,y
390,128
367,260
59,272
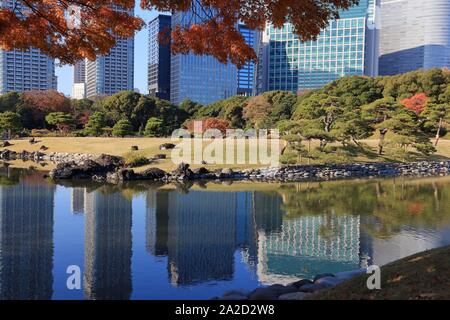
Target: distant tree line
x,y
403,112
125,113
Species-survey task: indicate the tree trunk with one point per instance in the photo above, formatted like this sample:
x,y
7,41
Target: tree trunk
x,y
356,142
284,147
438,132
309,151
381,141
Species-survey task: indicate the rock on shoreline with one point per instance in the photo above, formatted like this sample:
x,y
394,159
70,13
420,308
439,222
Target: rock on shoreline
x,y
298,290
112,169
101,170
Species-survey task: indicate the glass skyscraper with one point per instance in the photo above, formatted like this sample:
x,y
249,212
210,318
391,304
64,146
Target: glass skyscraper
x,y
25,70
246,73
415,34
203,78
199,78
348,46
159,58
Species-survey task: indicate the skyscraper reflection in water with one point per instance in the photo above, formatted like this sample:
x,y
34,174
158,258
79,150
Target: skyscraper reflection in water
x,y
26,240
157,219
107,270
200,232
201,241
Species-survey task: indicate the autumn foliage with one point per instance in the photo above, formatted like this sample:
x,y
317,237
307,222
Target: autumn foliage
x,y
44,25
37,104
206,124
416,103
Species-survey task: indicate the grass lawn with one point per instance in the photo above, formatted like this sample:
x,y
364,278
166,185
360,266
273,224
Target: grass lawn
x,y
425,275
149,147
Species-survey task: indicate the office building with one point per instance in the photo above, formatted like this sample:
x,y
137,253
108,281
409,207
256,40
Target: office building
x,y
203,78
246,73
79,72
25,70
159,58
112,73
78,91
79,78
415,35
348,46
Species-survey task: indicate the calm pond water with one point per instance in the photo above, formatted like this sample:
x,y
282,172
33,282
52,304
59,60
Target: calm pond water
x,y
144,241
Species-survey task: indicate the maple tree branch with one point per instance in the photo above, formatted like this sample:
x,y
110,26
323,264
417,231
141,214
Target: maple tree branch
x,y
36,11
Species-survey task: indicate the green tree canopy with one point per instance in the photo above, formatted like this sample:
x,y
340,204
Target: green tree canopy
x,y
9,101
95,124
62,121
154,128
122,128
10,121
137,109
190,107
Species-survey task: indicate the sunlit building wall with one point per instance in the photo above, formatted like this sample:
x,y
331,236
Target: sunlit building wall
x,y
415,35
349,46
112,73
204,79
25,70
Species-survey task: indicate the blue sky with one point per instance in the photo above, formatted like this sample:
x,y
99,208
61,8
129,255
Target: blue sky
x,y
140,59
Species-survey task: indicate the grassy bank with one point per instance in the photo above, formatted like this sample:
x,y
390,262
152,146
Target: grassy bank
x,y
149,147
425,275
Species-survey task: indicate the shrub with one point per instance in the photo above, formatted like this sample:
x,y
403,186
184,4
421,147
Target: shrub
x,y
122,128
64,122
10,122
39,132
209,123
154,128
95,124
136,159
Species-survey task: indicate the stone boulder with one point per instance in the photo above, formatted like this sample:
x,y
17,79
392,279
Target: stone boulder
x,y
263,294
201,171
160,156
154,174
8,155
294,296
272,292
329,281
84,170
6,144
311,288
350,274
120,176
167,146
182,172
300,283
110,162
323,275
235,295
